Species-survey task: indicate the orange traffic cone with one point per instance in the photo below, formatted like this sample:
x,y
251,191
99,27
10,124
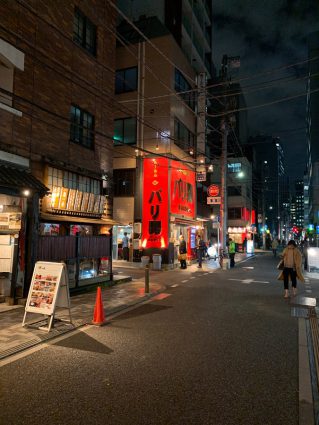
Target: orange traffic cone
x,y
98,315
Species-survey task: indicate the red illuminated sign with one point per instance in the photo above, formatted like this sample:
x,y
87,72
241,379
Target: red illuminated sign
x,y
182,190
213,190
155,203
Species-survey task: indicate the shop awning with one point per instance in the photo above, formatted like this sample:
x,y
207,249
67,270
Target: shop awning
x,y
187,222
19,178
72,219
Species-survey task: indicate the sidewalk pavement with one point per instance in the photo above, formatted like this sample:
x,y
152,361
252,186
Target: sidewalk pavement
x,y
14,338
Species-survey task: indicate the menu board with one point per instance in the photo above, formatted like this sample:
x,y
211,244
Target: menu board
x,y
63,198
6,254
102,204
49,288
55,197
71,199
91,202
75,200
85,201
10,221
96,208
78,200
43,289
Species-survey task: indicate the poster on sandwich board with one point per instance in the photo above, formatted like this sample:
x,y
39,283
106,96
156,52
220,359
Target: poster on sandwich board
x,y
49,289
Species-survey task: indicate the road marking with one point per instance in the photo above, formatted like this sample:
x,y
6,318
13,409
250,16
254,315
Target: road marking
x,y
192,277
174,286
250,268
308,290
205,274
248,281
184,281
161,296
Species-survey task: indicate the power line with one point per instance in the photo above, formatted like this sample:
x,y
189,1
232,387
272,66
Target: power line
x,y
242,92
263,105
149,41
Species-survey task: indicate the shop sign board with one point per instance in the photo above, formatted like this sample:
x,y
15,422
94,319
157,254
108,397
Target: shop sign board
x,y
74,200
213,200
182,190
201,176
213,190
49,289
10,221
155,203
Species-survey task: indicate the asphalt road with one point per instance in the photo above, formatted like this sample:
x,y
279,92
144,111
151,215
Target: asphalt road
x,y
219,349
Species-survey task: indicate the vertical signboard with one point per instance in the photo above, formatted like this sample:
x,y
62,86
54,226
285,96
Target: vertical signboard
x,y
155,203
182,190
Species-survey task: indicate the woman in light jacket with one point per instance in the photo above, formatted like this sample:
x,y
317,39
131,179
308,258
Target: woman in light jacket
x,y
292,267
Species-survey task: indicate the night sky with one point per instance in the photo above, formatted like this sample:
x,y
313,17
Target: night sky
x,y
267,35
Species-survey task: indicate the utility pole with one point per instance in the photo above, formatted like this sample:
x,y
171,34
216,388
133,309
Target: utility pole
x,y
223,177
223,181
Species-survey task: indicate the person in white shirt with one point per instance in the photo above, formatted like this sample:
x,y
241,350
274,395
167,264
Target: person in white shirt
x,y
125,242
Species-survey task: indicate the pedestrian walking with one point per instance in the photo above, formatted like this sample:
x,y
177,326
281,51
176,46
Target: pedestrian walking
x,y
125,242
274,247
292,261
200,251
182,252
232,252
245,245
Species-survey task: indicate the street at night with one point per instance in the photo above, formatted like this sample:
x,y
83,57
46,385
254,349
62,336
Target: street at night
x,y
159,212
216,347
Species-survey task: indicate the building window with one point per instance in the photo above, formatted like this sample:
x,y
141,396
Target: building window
x,y
182,86
234,213
124,182
125,131
64,178
84,32
126,80
234,190
234,167
82,127
183,138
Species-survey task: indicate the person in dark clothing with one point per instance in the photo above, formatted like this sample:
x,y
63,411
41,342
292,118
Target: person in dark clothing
x,y
183,252
200,250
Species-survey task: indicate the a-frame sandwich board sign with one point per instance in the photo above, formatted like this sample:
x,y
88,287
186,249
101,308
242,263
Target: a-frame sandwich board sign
x,y
49,289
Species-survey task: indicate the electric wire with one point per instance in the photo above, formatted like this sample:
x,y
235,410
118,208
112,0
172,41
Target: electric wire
x,y
149,41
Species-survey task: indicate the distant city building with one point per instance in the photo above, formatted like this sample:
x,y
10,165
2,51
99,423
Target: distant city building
x,y
311,186
271,184
298,219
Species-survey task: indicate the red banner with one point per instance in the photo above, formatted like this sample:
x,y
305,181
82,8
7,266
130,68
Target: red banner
x,y
182,190
155,203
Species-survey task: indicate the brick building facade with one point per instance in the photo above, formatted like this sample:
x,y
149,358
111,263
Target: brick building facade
x,y
56,95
